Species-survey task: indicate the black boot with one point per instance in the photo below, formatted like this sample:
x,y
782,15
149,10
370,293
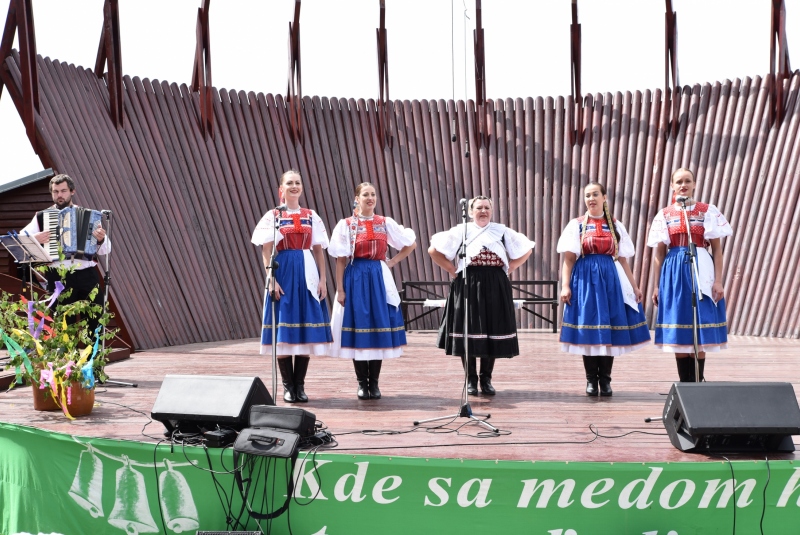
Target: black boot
x,y
472,376
487,365
685,369
362,375
702,364
604,375
590,364
374,374
300,369
287,376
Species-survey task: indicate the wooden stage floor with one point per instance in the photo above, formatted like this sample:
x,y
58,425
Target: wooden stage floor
x,y
540,401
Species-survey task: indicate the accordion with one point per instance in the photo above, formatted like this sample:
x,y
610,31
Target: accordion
x,y
71,230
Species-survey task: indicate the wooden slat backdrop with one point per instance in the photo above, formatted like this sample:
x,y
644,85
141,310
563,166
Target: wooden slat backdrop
x,y
184,207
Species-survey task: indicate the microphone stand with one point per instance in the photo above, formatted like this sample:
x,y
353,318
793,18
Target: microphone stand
x,y
465,410
107,284
273,265
691,258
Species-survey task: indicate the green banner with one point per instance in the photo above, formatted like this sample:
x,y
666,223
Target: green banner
x,y
52,483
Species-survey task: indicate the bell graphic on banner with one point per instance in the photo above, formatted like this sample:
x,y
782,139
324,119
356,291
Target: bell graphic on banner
x,y
87,486
177,502
131,510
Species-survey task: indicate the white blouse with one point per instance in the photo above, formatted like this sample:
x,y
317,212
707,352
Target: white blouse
x,y
264,229
499,239
397,236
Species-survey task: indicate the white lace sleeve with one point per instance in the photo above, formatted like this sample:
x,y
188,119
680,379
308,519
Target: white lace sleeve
x,y
447,242
264,230
340,240
626,247
715,224
397,235
570,240
658,230
319,236
516,243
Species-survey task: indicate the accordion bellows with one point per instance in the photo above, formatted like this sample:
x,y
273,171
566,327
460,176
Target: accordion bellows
x,y
77,225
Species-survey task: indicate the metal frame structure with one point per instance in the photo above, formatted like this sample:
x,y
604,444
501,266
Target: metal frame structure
x,y
109,51
20,17
201,71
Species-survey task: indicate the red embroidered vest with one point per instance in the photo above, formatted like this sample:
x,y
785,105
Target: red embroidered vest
x,y
597,239
371,238
676,225
295,229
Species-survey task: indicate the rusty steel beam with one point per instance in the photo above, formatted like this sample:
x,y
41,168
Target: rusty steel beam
x,y
575,107
201,70
294,88
672,93
384,132
778,52
481,119
20,16
110,51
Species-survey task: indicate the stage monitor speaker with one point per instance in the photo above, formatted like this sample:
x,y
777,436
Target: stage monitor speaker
x,y
192,403
727,417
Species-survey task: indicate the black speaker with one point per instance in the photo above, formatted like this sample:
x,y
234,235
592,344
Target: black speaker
x,y
722,417
293,419
194,403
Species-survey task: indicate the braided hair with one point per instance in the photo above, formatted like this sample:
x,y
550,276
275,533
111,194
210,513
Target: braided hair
x,y
609,220
354,221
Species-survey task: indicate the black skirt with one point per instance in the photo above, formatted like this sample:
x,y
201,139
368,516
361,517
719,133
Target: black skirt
x,y
492,326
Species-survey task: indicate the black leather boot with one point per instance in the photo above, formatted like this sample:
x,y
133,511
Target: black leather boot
x,y
287,376
604,375
487,365
374,375
362,375
300,369
591,365
472,376
685,369
702,364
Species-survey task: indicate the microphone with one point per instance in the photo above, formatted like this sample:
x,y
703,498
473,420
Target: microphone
x,y
453,137
682,199
466,149
281,208
462,202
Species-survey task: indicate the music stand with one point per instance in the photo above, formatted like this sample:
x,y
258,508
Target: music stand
x,y
25,250
107,284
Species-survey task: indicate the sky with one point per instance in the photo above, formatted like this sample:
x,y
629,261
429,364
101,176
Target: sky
x,y
527,47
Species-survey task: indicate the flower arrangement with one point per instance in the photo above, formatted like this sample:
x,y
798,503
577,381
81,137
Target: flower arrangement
x,y
50,344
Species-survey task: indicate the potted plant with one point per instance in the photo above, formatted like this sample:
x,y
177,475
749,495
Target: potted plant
x,y
52,349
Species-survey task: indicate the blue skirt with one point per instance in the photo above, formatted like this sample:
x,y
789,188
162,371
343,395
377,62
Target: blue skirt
x,y
598,322
674,319
303,323
371,328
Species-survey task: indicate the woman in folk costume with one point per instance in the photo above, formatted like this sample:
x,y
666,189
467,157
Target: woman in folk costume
x,y
367,321
298,287
603,315
493,251
673,277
